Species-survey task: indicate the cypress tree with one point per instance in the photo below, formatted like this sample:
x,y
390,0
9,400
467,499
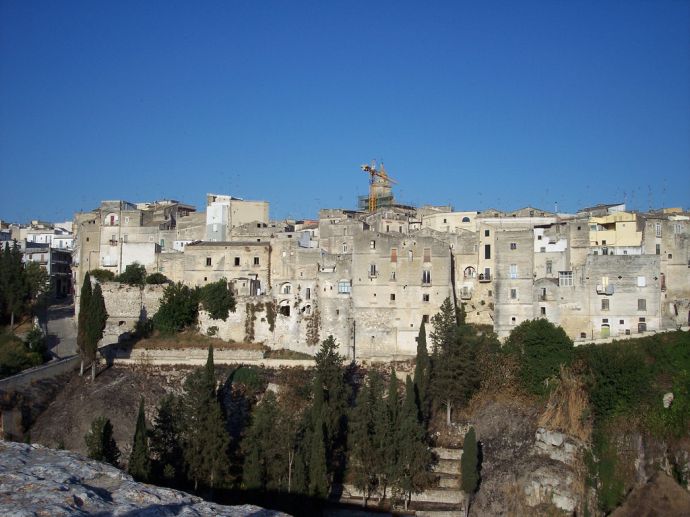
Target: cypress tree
x,y
100,443
139,461
260,446
318,472
469,467
392,423
97,319
422,374
83,319
166,439
361,434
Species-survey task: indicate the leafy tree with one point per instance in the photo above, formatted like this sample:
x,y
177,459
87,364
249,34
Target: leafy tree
x,y
445,326
166,440
134,274
96,320
37,281
205,439
179,308
139,461
100,443
15,355
156,278
422,375
318,469
413,457
217,299
36,342
12,281
542,348
102,275
469,467
83,320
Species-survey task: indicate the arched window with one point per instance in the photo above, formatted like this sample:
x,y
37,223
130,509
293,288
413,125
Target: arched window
x,y
465,219
470,272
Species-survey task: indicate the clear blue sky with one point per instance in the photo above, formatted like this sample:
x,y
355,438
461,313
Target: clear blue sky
x,y
478,104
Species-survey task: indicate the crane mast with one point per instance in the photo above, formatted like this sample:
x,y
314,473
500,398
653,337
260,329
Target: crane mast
x,y
379,182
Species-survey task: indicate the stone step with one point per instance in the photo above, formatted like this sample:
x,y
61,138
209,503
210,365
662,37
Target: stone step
x,y
447,467
439,495
447,454
439,513
449,482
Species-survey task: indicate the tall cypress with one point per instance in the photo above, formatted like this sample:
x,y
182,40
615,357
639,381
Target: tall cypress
x,y
318,471
165,441
361,436
392,421
469,467
83,321
422,374
97,319
139,461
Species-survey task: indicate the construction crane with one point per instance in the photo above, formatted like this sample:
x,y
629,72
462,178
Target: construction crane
x,y
379,181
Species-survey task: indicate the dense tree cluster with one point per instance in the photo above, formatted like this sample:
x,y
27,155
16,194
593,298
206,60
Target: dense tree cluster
x,y
21,284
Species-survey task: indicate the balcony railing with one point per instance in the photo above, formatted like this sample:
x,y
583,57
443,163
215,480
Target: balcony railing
x,y
484,277
605,289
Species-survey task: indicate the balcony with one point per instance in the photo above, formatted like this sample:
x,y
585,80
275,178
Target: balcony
x,y
605,289
113,242
465,293
484,277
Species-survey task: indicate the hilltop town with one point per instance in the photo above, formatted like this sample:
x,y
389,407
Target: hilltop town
x,y
370,276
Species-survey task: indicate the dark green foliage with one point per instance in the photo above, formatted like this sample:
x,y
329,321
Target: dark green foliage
x,y
83,322
469,463
217,299
262,468
134,274
604,475
36,342
445,326
166,439
422,375
318,470
143,328
100,443
156,279
102,275
413,459
205,439
12,282
139,461
97,319
542,348
251,377
15,355
179,308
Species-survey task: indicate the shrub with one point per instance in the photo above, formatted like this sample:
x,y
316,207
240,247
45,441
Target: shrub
x,y
542,348
15,356
157,279
134,274
179,308
102,275
217,299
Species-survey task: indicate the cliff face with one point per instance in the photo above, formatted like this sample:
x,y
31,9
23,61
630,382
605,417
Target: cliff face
x,y
37,481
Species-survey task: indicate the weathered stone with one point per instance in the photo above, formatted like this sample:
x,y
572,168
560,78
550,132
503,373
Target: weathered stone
x,y
668,400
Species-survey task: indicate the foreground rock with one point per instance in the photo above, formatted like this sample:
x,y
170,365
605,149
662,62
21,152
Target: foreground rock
x,y
37,481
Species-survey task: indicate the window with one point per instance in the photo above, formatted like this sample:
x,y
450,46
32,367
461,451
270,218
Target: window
x,y
658,249
465,219
487,233
394,255
425,318
542,249
208,261
512,320
372,245
641,281
426,276
658,229
372,270
605,304
126,219
677,228
513,271
307,293
425,297
256,261
388,228
487,251
622,322
513,294
125,239
410,255
392,297
549,267
513,245
641,304
344,287
538,237
427,255
670,256
445,221
162,243
237,261
565,278
543,311
344,248
392,277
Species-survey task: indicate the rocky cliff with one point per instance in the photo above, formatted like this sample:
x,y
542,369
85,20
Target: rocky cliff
x,y
37,481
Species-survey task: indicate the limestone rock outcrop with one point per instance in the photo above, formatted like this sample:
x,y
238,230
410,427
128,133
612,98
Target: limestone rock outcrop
x,y
37,481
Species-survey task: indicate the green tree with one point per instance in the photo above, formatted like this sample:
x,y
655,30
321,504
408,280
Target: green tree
x,y
100,443
413,458
134,274
445,326
205,438
96,320
318,469
156,278
261,447
140,461
391,422
83,320
12,281
15,355
469,468
542,348
179,308
422,375
102,275
37,281
217,299
166,440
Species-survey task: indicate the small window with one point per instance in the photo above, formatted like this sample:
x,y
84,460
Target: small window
x,y
425,318
670,255
543,311
487,251
513,271
487,233
256,261
392,277
344,248
565,278
583,335
392,297
513,245
394,255
622,322
425,297
513,294
641,304
538,237
549,267
399,229
237,261
208,261
372,270
388,228
427,255
426,276
658,249
605,304
512,320
307,293
658,229
641,281
344,287
372,245
410,255
605,321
